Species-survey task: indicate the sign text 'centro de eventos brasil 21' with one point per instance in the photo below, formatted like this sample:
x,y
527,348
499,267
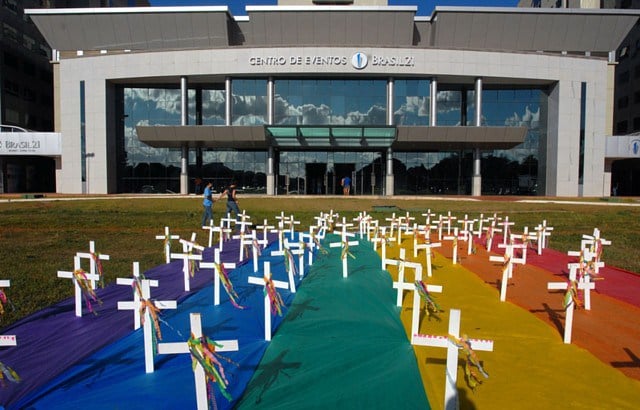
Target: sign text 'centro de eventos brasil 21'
x,y
358,60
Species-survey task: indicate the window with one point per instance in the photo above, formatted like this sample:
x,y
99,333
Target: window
x,y
623,102
621,127
10,32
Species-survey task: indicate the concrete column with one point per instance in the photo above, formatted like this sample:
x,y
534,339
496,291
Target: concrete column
x,y
270,101
390,95
184,120
476,183
228,99
434,103
271,178
389,177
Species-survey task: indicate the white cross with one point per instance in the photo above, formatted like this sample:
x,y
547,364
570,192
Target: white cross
x,y
381,236
244,222
140,296
454,244
393,222
92,256
451,392
467,226
415,317
7,340
344,244
76,285
280,231
136,295
167,243
427,247
187,257
428,216
568,303
507,269
245,240
198,372
402,264
595,243
491,231
223,232
264,281
227,221
211,228
505,229
288,253
362,220
372,226
265,227
448,220
297,248
542,231
481,220
308,241
216,265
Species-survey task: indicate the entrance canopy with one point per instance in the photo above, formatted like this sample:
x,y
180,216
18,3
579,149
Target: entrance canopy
x,y
327,137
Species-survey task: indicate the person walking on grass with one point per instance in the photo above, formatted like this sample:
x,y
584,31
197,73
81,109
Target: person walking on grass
x,y
207,203
232,199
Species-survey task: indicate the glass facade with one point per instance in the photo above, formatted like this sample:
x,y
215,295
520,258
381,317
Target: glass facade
x,y
411,102
333,102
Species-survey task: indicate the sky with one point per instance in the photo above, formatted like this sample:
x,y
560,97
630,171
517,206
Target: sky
x,y
425,7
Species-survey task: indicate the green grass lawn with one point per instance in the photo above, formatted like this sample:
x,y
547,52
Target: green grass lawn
x,y
38,238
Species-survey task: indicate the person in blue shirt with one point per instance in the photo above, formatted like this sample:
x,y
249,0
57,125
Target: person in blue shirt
x,y
346,185
207,203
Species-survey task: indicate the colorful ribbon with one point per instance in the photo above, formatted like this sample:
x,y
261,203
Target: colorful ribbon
x,y
8,373
96,260
274,297
228,286
345,251
571,295
85,287
203,353
432,308
471,361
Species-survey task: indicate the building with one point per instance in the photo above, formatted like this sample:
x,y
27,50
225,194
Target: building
x,y
26,96
291,98
625,170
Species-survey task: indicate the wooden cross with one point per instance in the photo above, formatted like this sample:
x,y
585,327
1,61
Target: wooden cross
x,y
245,240
211,228
393,222
187,257
372,226
244,222
93,258
402,264
594,243
507,269
481,221
505,229
381,237
216,265
292,223
267,302
223,233
569,303
491,231
451,391
265,227
415,316
143,295
467,226
136,295
297,248
198,372
167,243
542,231
309,242
427,247
280,231
227,221
428,216
448,220
76,284
454,244
344,244
7,340
288,253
